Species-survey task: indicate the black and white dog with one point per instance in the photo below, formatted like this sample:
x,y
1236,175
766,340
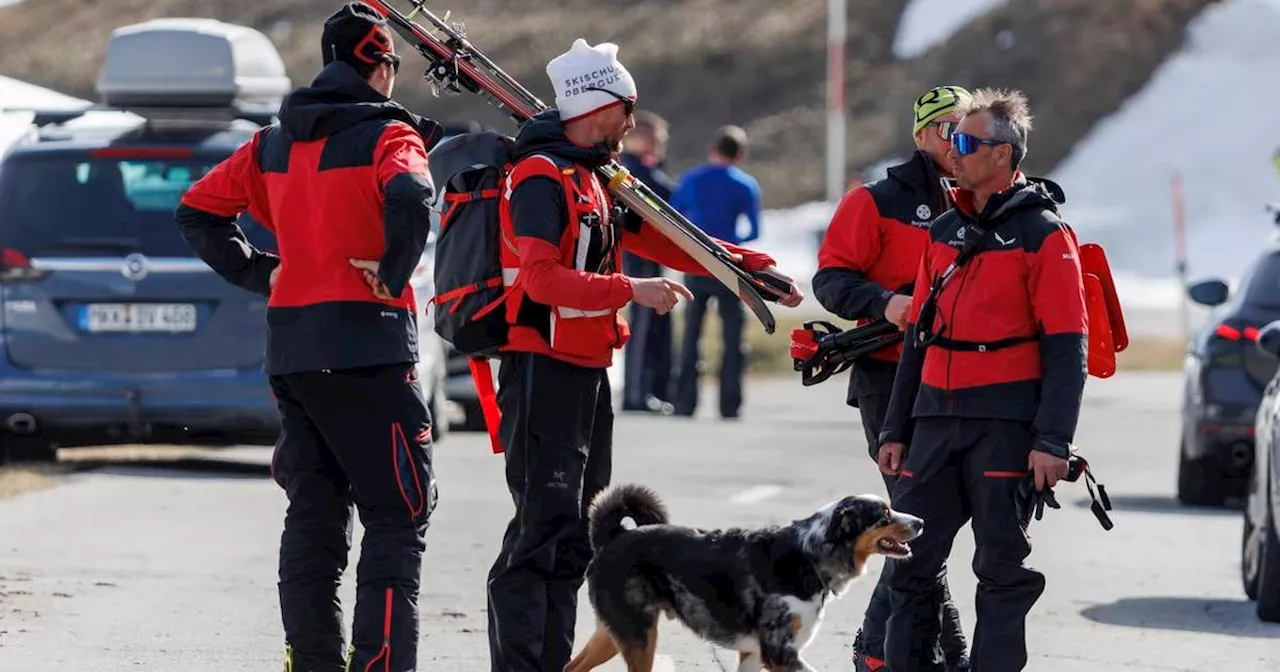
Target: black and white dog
x,y
760,592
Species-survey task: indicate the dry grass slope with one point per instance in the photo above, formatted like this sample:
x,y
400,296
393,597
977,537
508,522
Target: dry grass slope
x,y
704,63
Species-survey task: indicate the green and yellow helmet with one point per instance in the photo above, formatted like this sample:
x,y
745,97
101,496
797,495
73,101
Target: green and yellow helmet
x,y
936,102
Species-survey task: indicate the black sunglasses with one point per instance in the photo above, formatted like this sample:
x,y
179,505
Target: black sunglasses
x,y
628,105
393,60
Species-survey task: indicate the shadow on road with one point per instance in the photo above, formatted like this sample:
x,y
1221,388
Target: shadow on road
x,y
1189,614
1162,504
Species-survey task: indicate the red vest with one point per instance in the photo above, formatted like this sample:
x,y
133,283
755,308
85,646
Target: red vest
x,y
591,242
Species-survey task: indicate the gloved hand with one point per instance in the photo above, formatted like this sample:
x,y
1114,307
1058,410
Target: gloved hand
x,y
1029,500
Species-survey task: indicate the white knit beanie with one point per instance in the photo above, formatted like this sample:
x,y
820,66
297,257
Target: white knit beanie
x,y
576,72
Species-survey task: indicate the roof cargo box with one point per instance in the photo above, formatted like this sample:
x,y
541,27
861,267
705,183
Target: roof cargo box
x,y
184,63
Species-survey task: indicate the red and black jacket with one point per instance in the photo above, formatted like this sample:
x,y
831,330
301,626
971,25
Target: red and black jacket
x,y
342,176
873,246
561,262
1010,325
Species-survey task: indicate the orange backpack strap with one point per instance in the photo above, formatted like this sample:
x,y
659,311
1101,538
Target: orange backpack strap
x,y
541,165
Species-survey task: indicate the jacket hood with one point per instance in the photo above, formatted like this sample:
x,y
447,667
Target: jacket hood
x,y
339,98
544,134
1025,193
920,176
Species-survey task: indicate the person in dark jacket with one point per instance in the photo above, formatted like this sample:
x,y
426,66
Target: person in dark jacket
x,y
988,390
565,293
866,267
342,182
646,372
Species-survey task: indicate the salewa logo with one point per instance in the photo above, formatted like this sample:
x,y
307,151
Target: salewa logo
x,y
387,313
1004,242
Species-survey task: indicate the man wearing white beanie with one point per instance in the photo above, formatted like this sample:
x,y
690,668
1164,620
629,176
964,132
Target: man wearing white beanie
x,y
563,240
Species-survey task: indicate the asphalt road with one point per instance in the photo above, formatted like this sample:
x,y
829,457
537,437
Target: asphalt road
x,y
128,568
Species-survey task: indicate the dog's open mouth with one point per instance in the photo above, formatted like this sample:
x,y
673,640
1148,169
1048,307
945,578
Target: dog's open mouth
x,y
894,548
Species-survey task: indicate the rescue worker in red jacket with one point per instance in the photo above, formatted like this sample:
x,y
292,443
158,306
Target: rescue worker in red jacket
x,y
988,390
342,182
867,265
564,242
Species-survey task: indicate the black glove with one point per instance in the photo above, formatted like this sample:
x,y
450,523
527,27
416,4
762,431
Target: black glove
x,y
1029,500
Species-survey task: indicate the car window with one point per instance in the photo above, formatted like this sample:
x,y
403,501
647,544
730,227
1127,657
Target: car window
x,y
84,206
1262,282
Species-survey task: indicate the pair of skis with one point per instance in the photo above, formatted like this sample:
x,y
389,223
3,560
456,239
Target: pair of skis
x,y
457,66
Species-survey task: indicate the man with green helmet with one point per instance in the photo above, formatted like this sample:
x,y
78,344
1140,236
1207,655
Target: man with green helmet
x,y
866,268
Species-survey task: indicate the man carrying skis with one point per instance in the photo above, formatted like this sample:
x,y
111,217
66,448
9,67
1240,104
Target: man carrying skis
x,y
989,388
562,254
342,181
866,266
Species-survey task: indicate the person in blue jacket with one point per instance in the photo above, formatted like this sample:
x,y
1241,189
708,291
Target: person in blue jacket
x,y
719,198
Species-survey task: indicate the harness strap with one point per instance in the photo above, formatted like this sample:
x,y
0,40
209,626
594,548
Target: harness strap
x,y
468,196
979,346
459,292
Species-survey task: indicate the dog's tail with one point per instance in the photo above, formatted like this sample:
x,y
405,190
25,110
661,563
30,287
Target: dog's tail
x,y
619,502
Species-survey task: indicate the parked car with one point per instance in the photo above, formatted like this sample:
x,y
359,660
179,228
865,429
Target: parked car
x,y
1260,547
1224,378
112,330
432,367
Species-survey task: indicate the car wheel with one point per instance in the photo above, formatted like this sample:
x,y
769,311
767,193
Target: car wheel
x,y
473,417
439,423
1250,547
1269,573
1199,481
28,449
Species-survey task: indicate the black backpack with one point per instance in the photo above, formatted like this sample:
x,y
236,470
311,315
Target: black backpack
x,y
470,170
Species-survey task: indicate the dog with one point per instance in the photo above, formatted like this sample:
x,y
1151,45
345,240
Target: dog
x,y
760,592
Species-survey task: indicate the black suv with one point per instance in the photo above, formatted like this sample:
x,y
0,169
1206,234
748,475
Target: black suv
x,y
1225,375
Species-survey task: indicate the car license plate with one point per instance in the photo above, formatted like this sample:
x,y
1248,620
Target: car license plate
x,y
139,317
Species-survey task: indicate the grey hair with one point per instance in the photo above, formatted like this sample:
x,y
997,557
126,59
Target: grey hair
x,y
1010,118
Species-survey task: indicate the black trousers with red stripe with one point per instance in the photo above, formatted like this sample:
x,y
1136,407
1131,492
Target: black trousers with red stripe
x,y
957,469
557,437
353,438
869,388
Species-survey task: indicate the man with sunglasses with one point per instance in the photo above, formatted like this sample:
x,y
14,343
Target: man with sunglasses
x,y
866,267
342,182
562,253
989,387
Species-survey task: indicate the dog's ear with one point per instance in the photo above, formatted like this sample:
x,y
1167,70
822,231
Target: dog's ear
x,y
852,516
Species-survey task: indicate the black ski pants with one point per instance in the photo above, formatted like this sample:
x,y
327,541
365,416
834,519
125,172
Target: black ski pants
x,y
733,359
648,354
957,469
557,437
870,388
353,438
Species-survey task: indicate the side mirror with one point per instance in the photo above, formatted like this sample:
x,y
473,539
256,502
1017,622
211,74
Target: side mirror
x,y
1209,292
1269,339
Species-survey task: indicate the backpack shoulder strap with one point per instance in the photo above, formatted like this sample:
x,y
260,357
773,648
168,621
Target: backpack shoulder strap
x,y
543,165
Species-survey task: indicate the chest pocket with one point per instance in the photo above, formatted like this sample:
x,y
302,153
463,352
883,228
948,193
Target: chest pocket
x,y
596,239
994,287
